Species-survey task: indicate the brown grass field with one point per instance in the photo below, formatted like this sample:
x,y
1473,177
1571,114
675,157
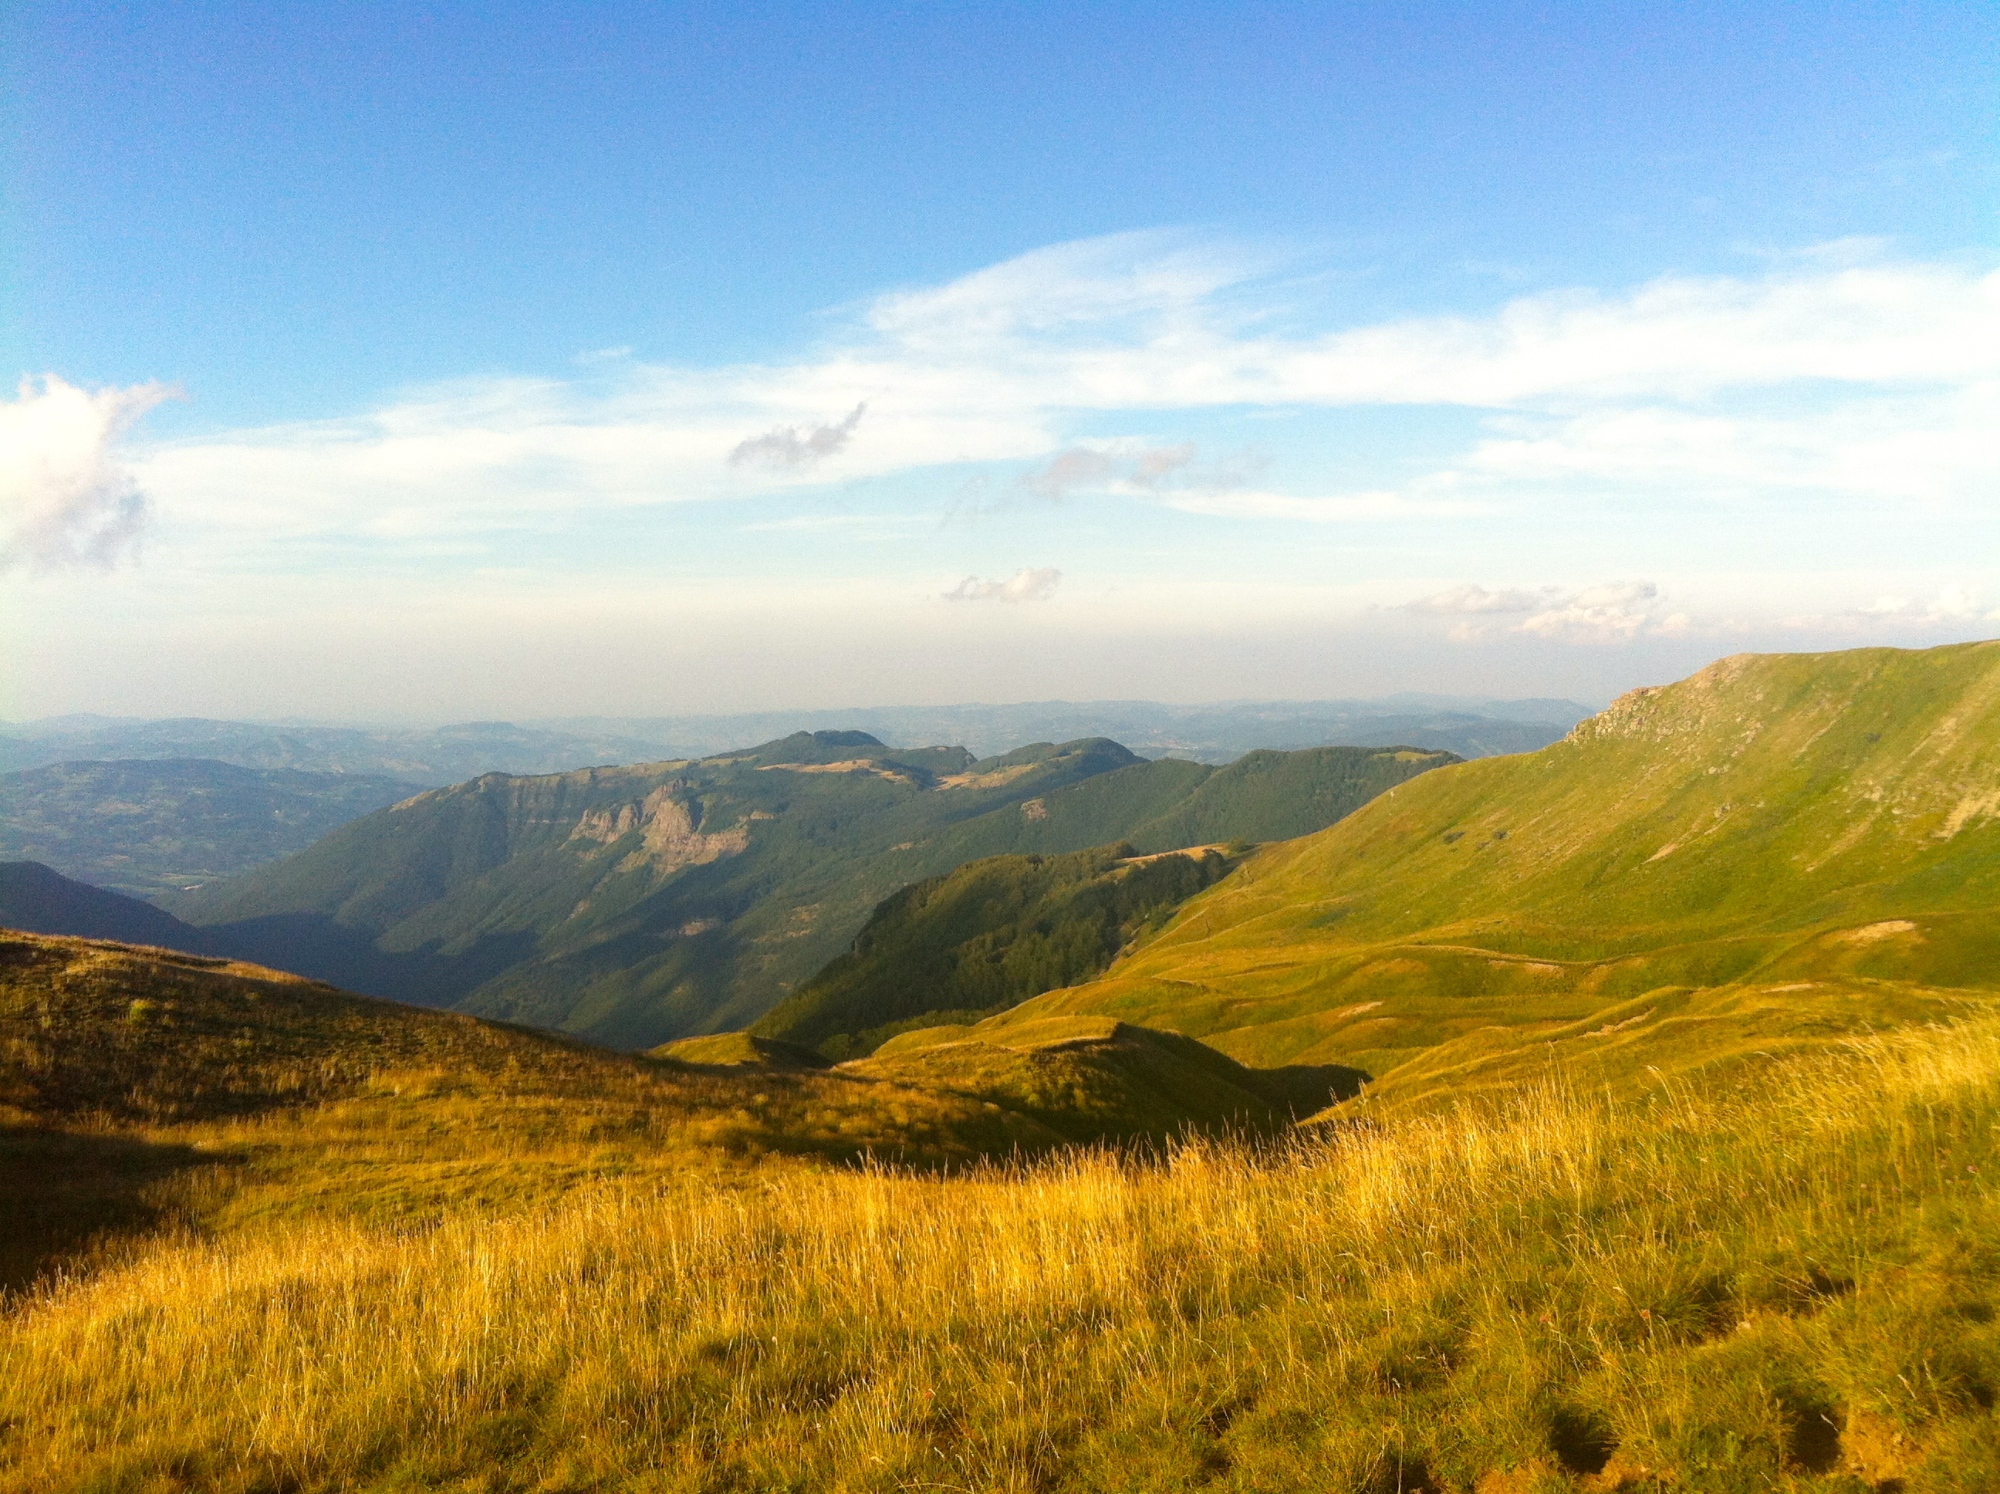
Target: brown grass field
x,y
1785,1281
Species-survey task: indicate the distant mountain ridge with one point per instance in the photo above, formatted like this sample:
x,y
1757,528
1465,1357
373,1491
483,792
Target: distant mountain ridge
x,y
634,905
422,758
150,826
436,756
1466,726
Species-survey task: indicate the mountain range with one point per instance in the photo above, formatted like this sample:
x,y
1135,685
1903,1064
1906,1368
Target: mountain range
x,y
435,756
635,905
158,806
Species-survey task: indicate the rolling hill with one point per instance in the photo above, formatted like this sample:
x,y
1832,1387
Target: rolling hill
x,y
1777,848
128,1072
318,1244
636,905
39,900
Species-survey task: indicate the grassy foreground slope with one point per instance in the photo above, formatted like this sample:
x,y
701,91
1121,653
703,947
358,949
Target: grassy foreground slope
x,y
1786,1285
1776,849
144,1087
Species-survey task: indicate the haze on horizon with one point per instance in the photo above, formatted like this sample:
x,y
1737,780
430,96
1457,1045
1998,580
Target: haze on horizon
x,y
538,362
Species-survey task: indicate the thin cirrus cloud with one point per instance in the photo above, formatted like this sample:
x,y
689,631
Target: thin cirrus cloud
x,y
1877,380
1025,585
66,500
1109,467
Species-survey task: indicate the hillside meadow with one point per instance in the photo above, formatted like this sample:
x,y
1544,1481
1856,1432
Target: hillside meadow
x,y
1789,1284
1811,839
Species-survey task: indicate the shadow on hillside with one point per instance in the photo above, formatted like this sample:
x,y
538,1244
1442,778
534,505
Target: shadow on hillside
x,y
1307,1088
319,948
63,1193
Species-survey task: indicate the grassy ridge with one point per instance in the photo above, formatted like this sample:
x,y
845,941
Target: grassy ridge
x,y
1784,1286
141,1088
1824,828
1000,929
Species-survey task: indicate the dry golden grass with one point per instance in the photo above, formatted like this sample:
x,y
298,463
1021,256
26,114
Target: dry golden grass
x,y
1791,1285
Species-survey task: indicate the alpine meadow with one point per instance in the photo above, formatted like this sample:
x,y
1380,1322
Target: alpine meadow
x,y
1066,749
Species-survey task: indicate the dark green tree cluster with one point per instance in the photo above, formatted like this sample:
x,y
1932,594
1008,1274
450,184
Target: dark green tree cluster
x,y
986,937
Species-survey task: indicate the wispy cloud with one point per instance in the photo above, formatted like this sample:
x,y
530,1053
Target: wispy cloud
x,y
1025,585
1078,467
792,447
66,498
1473,600
1871,379
1614,612
1379,506
828,523
1954,604
1111,466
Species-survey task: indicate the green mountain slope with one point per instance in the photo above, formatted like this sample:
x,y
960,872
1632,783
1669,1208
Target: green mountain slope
x,y
636,905
1815,836
982,938
148,827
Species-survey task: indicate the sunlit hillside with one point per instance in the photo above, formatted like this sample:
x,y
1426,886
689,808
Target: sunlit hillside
x,y
1786,1285
1778,849
143,1089
1675,1174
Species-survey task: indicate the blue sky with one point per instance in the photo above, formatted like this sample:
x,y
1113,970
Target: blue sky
x,y
475,361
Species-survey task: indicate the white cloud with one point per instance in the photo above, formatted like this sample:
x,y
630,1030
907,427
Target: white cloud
x,y
1924,446
1613,613
797,446
1025,585
1870,380
65,498
1954,604
1469,598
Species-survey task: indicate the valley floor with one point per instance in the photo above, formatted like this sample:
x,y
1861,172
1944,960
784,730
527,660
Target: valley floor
x,y
1784,1279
